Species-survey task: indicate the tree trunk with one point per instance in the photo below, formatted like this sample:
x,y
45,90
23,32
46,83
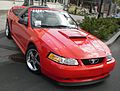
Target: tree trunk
x,y
27,3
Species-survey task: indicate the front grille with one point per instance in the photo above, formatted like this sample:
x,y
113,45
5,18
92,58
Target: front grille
x,y
92,61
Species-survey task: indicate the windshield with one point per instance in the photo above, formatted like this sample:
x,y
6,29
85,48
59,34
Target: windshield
x,y
50,18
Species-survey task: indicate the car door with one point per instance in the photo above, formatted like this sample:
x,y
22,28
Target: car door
x,y
21,31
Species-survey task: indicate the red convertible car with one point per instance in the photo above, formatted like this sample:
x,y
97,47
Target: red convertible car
x,y
54,45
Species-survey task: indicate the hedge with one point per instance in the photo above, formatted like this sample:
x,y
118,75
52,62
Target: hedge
x,y
103,28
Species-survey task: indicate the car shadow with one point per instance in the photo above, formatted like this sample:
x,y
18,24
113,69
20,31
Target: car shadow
x,y
56,85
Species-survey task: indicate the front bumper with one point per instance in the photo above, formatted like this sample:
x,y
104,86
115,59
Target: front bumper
x,y
82,83
77,74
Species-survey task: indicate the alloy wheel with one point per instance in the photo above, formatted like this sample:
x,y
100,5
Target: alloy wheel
x,y
32,58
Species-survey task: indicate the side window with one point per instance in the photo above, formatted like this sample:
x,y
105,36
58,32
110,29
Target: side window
x,y
25,16
17,11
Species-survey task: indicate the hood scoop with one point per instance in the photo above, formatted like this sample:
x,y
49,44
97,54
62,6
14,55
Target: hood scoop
x,y
76,37
71,34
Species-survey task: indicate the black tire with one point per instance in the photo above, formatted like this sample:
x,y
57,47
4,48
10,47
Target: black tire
x,y
33,60
7,31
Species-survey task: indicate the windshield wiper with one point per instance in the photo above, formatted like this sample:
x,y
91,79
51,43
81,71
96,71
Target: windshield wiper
x,y
53,26
56,26
60,26
43,26
64,26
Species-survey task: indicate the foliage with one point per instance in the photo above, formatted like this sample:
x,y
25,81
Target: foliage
x,y
102,28
117,1
73,9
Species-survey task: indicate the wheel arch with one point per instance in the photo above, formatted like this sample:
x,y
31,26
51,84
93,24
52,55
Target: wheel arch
x,y
30,44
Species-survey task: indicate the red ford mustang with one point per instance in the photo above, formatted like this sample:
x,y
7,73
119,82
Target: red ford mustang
x,y
54,45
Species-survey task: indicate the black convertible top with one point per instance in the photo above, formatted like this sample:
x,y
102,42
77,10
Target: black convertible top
x,y
25,9
38,7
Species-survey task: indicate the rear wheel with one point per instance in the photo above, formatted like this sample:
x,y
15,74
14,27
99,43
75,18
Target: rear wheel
x,y
33,60
7,31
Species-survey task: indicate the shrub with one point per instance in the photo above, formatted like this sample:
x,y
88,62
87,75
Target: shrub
x,y
72,9
102,28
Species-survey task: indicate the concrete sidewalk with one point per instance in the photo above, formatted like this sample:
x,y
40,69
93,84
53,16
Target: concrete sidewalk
x,y
6,5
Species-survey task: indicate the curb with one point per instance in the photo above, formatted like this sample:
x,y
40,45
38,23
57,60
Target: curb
x,y
113,39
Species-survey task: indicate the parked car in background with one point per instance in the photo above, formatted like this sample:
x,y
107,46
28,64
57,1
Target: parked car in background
x,y
116,15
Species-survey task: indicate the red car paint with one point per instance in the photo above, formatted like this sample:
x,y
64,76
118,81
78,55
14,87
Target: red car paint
x,y
64,43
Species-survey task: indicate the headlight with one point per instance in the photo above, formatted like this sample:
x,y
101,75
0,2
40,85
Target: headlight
x,y
62,60
109,57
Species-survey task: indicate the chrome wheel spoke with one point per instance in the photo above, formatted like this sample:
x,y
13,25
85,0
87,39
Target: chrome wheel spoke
x,y
31,54
34,66
29,58
37,62
36,58
36,55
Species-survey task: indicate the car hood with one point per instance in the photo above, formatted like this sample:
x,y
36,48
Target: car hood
x,y
73,43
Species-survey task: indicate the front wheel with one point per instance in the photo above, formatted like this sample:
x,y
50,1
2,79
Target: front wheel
x,y
33,60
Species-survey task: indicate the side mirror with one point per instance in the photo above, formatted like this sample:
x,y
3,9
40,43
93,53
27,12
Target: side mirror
x,y
23,21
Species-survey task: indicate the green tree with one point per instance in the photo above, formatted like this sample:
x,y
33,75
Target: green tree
x,y
116,1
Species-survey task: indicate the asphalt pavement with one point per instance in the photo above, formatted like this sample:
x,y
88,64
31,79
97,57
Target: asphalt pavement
x,y
2,19
14,75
